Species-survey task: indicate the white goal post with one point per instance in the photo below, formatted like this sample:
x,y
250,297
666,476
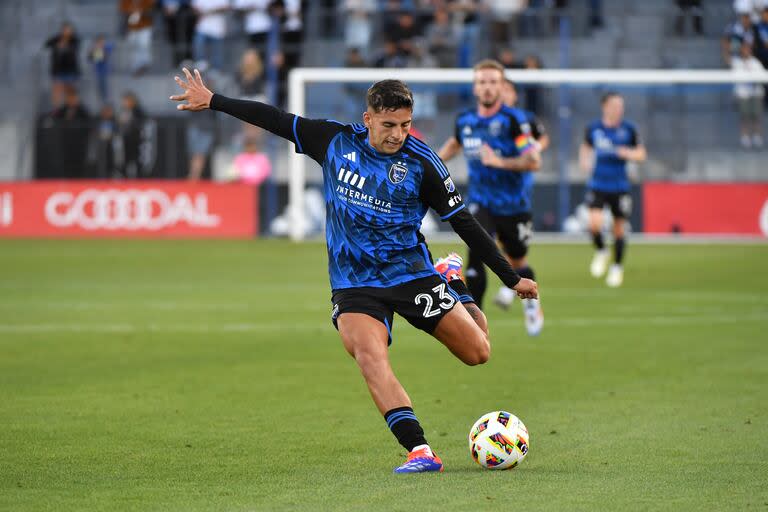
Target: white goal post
x,y
300,77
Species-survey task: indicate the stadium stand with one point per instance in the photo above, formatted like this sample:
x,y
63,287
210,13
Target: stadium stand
x,y
631,35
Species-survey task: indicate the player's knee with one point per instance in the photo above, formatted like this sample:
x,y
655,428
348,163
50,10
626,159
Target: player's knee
x,y
370,362
481,351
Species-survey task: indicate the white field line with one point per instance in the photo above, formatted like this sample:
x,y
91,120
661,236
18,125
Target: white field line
x,y
170,306
700,320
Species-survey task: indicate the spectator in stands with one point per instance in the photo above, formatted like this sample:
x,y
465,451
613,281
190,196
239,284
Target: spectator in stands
x,y
179,28
292,33
404,31
466,13
442,39
138,14
357,30
251,166
102,145
72,109
508,58
130,123
750,99
65,67
688,8
250,75
257,22
504,19
751,7
354,59
99,56
390,56
210,31
736,35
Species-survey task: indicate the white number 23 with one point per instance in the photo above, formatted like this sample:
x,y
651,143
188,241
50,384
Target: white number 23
x,y
446,301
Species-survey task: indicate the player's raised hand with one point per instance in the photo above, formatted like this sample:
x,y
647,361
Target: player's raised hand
x,y
623,152
488,157
527,289
196,94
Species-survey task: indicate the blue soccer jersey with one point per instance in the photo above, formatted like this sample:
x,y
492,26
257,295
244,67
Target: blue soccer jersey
x,y
375,203
509,134
610,172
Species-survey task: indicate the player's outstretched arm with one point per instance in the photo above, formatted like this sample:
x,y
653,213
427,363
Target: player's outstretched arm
x,y
478,240
311,136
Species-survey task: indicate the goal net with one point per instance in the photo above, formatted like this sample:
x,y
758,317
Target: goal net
x,y
690,121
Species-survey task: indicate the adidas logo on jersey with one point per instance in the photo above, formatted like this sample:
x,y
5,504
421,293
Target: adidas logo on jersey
x,y
350,177
352,157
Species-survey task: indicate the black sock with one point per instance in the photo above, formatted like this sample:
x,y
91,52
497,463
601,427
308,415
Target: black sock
x,y
526,272
618,250
476,280
461,290
404,425
597,239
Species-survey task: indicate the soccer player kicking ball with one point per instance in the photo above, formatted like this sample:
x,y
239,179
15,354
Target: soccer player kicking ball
x,y
379,183
608,145
502,155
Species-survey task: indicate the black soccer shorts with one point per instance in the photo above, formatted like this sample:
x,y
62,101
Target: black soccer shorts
x,y
422,302
513,231
620,203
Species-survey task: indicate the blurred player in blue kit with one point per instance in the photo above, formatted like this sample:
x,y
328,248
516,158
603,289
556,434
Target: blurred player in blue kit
x,y
502,154
609,143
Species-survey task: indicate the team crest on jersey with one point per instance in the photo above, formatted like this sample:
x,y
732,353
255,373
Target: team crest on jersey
x,y
495,128
449,185
467,130
397,172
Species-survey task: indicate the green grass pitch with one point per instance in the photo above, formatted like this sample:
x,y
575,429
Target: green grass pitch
x,y
207,376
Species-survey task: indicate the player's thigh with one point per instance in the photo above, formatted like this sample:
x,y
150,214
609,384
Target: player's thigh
x,y
360,314
363,336
459,332
621,205
515,234
595,201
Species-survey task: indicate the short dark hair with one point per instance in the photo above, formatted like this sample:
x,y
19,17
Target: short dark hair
x,y
389,95
608,95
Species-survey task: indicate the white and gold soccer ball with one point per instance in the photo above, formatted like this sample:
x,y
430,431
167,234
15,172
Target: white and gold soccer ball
x,y
498,440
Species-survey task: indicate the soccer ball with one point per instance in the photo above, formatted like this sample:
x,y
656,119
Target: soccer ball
x,y
498,440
